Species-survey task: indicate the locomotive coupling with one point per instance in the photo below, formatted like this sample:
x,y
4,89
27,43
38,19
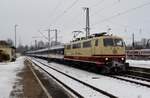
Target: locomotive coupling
x,y
116,64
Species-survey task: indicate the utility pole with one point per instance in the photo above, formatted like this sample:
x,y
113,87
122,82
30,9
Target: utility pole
x,y
49,43
55,30
133,41
16,35
133,44
56,36
87,28
49,30
36,44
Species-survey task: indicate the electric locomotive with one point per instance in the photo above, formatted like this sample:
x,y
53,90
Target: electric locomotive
x,y
106,52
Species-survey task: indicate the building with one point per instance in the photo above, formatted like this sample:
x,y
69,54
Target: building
x,y
7,52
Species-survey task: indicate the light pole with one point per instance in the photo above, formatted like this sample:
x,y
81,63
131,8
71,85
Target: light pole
x,y
49,43
133,44
16,35
55,30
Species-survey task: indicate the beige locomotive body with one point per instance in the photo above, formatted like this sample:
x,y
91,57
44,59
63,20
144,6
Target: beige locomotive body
x,y
103,51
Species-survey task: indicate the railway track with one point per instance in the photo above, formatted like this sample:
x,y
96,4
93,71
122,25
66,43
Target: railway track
x,y
133,76
139,72
139,69
137,77
75,79
132,79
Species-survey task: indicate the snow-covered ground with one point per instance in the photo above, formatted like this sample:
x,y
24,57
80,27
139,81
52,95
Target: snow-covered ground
x,y
8,72
139,63
116,87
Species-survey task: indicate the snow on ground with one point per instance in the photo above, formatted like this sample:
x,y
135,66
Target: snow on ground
x,y
85,91
8,72
139,63
121,89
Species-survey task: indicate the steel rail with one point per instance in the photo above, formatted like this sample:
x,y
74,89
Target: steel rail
x,y
136,77
142,84
139,69
140,72
73,91
86,84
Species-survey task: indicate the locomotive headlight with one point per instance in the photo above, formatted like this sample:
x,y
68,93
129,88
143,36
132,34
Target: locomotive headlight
x,y
106,59
122,59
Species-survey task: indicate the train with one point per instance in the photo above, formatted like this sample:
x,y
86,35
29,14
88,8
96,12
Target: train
x,y
102,51
143,54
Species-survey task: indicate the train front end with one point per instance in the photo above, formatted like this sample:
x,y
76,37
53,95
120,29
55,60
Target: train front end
x,y
113,52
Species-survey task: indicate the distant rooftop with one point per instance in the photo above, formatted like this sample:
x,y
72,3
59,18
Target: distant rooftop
x,y
4,43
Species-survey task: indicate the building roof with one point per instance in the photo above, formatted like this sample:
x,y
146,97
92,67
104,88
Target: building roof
x,y
4,44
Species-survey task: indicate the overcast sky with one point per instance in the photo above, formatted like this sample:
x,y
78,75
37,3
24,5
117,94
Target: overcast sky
x,y
124,17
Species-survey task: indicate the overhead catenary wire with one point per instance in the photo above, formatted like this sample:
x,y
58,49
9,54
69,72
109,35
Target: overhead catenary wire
x,y
65,11
102,9
100,2
43,35
122,13
97,3
55,8
123,25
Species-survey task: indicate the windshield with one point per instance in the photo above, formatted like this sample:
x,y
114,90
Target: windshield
x,y
118,42
113,42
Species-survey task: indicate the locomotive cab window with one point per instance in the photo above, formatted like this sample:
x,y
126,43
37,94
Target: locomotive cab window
x,y
108,42
113,42
118,42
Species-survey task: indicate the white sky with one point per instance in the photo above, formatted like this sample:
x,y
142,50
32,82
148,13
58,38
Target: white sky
x,y
34,15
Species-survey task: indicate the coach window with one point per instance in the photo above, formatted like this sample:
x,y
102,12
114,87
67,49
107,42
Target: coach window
x,y
96,42
86,44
